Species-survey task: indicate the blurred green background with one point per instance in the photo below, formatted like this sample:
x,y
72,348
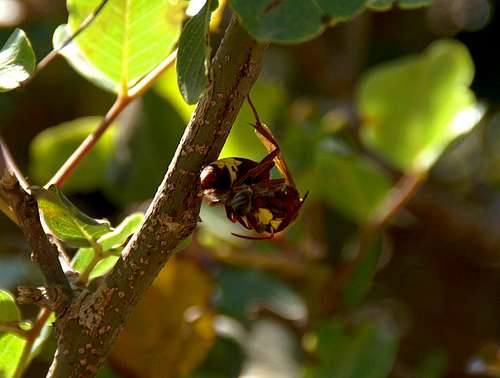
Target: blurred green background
x,y
425,302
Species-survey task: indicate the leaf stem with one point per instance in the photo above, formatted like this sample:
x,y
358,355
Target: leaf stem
x,y
98,256
86,146
147,81
118,106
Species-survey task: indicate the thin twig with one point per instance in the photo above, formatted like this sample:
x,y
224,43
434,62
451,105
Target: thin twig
x,y
147,81
86,146
44,253
116,109
254,110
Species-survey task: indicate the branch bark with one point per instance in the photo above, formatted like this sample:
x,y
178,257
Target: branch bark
x,y
17,201
90,326
44,253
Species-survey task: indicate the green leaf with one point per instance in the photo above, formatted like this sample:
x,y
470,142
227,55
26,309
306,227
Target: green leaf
x,y
193,49
346,181
339,10
11,350
126,40
67,222
17,61
79,62
384,5
285,21
8,308
50,149
414,107
360,282
84,257
11,345
116,238
366,349
112,240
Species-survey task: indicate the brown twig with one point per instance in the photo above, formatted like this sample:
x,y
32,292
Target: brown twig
x,y
95,318
86,146
116,109
44,253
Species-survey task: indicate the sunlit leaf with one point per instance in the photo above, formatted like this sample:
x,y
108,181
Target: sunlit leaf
x,y
126,40
68,223
17,61
121,233
193,49
11,350
414,107
179,330
112,240
366,349
79,62
50,149
8,308
11,345
286,21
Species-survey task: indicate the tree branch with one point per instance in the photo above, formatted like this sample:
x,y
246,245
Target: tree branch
x,y
44,253
92,323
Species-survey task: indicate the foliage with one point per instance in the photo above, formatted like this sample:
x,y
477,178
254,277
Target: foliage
x,y
11,341
365,280
193,50
135,37
17,61
429,95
